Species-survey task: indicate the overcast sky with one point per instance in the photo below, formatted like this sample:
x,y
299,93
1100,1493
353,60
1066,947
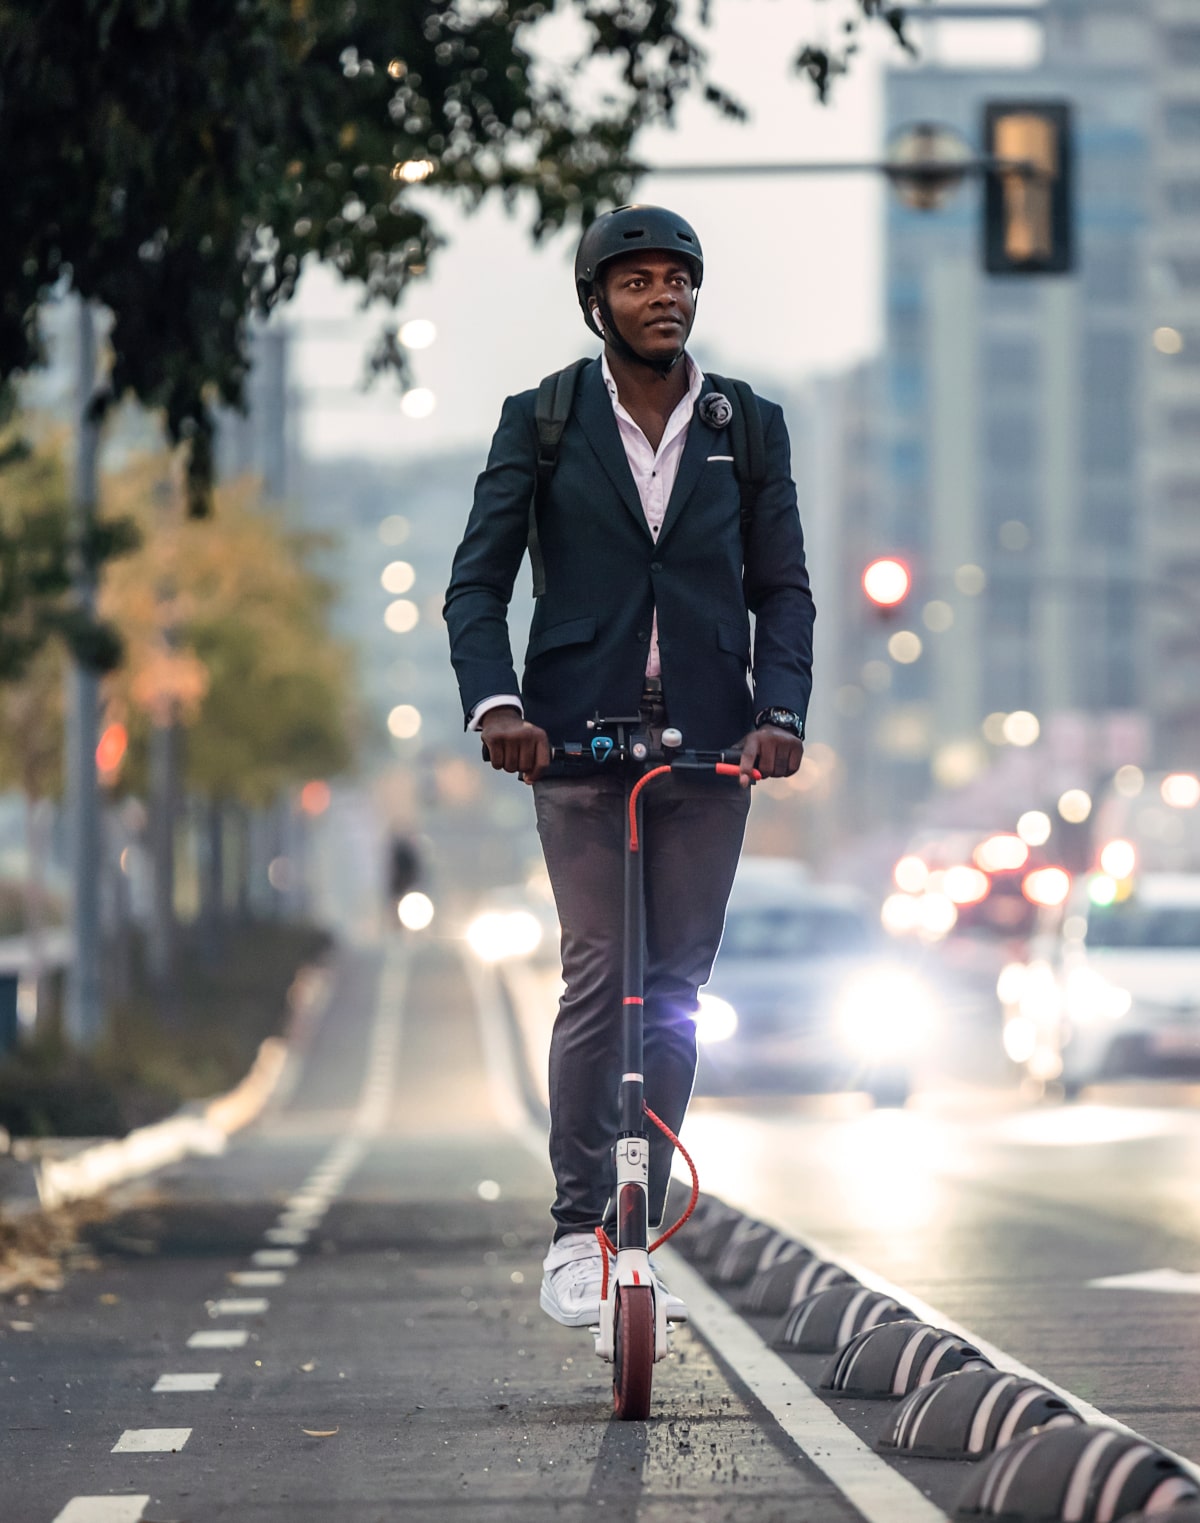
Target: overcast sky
x,y
792,264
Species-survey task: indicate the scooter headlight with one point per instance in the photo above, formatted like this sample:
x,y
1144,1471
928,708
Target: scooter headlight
x,y
716,1019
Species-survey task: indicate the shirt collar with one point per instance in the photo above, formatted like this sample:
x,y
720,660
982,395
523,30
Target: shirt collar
x,y
695,382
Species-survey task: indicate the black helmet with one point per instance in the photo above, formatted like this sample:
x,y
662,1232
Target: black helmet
x,y
627,228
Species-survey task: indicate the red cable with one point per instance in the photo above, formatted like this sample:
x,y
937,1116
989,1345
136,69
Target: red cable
x,y
633,798
607,1247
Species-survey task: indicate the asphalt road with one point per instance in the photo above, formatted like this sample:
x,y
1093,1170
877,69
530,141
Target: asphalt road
x,y
338,1318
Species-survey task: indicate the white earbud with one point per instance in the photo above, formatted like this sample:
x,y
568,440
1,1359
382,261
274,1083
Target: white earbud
x,y
598,320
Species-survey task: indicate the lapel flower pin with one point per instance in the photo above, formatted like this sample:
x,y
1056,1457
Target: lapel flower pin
x,y
715,409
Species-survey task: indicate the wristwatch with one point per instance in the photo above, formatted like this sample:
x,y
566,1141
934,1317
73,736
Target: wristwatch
x,y
782,719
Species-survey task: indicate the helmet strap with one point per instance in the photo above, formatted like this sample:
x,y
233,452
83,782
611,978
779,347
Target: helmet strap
x,y
615,339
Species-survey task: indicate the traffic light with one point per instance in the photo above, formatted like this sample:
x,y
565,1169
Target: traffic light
x,y
1028,221
886,582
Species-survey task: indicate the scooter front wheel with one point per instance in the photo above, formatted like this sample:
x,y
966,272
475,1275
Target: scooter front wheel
x,y
633,1353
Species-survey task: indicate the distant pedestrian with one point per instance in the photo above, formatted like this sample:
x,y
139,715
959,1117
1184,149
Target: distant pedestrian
x,y
650,579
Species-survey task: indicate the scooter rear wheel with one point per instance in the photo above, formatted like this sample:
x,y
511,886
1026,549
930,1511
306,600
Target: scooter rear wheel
x,y
633,1361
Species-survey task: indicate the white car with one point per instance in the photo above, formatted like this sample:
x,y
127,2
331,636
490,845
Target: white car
x,y
1120,995
807,993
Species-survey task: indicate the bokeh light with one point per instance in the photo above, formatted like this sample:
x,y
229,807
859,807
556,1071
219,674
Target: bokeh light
x,y
1118,859
1047,886
394,529
401,616
1075,805
905,647
911,874
1181,790
1001,854
415,911
418,402
1129,781
417,333
397,577
404,721
1021,728
1034,827
886,582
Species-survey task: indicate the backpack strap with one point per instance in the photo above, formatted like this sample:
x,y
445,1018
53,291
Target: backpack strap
x,y
555,395
749,445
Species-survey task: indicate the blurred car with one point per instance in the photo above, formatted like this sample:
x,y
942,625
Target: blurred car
x,y
1118,993
806,993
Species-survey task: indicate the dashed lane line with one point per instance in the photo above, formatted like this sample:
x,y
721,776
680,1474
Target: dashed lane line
x,y
216,1337
275,1258
167,1385
287,1235
152,1441
103,1510
304,1211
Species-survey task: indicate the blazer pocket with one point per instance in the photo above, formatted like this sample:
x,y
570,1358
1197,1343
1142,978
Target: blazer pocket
x,y
572,632
735,638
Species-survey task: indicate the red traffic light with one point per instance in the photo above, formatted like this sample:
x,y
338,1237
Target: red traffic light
x,y
886,582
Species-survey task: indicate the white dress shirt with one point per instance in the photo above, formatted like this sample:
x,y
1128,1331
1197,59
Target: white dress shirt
x,y
654,472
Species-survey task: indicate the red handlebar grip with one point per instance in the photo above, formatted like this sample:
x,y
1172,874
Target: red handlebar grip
x,y
727,769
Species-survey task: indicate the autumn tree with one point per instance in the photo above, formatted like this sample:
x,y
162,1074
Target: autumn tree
x,y
226,631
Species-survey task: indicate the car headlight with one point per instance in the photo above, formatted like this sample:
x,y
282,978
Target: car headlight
x,y
884,1013
716,1019
1090,997
496,935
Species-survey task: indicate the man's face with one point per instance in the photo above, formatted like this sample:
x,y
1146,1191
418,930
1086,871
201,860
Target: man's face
x,y
651,299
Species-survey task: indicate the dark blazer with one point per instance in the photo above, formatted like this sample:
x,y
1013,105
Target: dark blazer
x,y
606,574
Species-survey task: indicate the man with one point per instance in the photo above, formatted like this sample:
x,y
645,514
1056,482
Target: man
x,y
648,584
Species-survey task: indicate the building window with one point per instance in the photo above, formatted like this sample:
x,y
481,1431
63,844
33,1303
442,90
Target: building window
x,y
1182,197
1010,441
1108,520
1182,494
1181,45
1110,272
1181,120
1008,361
1183,424
1183,271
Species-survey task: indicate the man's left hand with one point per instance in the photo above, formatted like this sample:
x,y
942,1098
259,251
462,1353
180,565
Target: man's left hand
x,y
772,752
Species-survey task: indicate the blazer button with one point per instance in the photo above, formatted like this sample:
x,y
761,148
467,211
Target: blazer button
x,y
656,565
642,636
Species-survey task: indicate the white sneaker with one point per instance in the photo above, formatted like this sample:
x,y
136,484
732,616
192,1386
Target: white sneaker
x,y
574,1273
676,1310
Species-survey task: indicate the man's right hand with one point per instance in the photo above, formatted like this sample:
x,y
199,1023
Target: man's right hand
x,y
515,745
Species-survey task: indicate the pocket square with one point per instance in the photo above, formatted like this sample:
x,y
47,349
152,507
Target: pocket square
x,y
711,458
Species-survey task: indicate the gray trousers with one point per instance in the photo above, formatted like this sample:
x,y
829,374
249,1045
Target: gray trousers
x,y
692,836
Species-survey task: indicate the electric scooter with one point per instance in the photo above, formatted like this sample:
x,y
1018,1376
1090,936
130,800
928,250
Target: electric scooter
x,y
633,1331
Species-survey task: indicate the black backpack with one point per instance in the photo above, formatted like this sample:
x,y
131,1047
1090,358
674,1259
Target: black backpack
x,y
555,396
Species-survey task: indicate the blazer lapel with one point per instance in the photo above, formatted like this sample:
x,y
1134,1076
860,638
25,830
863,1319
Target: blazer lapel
x,y
593,408
699,442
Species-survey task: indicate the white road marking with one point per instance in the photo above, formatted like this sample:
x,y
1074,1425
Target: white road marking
x,y
879,1492
238,1306
167,1385
1175,1282
286,1235
275,1258
103,1510
219,1338
309,1200
151,1440
300,1221
257,1279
